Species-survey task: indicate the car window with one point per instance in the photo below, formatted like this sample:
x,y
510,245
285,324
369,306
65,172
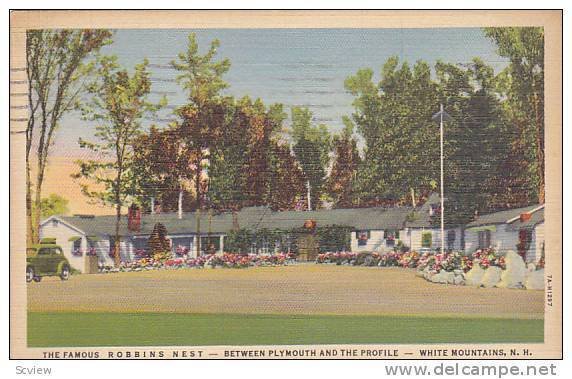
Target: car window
x,y
44,252
56,251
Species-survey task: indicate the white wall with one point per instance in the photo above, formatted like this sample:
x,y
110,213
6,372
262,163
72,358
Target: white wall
x,y
376,242
62,233
414,239
505,238
535,252
127,251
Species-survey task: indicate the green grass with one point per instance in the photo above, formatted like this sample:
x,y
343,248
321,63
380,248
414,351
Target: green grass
x,y
177,329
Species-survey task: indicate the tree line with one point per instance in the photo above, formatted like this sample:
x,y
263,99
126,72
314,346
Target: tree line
x,y
224,153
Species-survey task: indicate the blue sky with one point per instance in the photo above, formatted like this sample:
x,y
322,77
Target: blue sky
x,y
304,67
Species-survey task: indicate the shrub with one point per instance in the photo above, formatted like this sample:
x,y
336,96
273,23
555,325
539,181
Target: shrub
x,y
334,238
158,241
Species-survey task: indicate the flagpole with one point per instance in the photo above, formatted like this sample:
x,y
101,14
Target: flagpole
x,y
442,187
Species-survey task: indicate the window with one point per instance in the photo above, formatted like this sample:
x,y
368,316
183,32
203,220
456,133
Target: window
x,y
426,239
55,223
484,239
76,247
362,236
390,237
210,244
451,236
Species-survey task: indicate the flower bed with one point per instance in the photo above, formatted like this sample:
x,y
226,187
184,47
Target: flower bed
x,y
389,259
226,260
340,257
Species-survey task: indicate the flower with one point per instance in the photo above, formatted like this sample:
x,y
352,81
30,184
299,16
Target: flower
x,y
77,252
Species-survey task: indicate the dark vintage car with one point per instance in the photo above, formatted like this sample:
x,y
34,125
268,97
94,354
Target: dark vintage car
x,y
46,259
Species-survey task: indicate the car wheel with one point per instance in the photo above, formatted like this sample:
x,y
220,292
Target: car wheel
x,y
37,279
29,274
65,274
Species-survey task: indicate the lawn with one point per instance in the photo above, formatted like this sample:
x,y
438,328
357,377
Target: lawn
x,y
59,329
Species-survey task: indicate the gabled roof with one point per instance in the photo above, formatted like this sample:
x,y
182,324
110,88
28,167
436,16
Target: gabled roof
x,y
504,217
248,218
420,216
535,219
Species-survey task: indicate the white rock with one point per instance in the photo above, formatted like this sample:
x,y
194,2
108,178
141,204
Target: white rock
x,y
535,280
449,277
514,274
443,277
474,276
458,280
492,277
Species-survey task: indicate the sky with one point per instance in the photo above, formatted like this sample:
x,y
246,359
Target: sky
x,y
295,67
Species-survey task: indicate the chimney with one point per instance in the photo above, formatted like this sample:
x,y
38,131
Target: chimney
x,y
134,218
524,217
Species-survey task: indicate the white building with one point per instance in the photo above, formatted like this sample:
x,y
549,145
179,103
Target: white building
x,y
520,230
371,229
423,230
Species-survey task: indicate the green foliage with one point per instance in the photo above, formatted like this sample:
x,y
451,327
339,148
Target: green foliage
x,y
205,116
312,145
238,241
240,171
119,103
57,64
394,119
346,160
483,170
522,85
334,238
54,205
287,185
330,238
199,74
478,139
158,242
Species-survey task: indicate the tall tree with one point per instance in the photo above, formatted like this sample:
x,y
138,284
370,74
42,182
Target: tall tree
x,y
56,67
394,118
287,185
476,139
119,103
203,117
311,145
522,84
54,205
239,171
161,165
344,168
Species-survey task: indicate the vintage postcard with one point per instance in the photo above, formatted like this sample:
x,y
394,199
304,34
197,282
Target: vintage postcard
x,y
286,184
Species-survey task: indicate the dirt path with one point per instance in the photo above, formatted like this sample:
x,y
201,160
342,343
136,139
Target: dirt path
x,y
302,289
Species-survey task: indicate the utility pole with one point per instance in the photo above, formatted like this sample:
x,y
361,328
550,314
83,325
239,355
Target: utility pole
x,y
442,186
309,200
442,116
